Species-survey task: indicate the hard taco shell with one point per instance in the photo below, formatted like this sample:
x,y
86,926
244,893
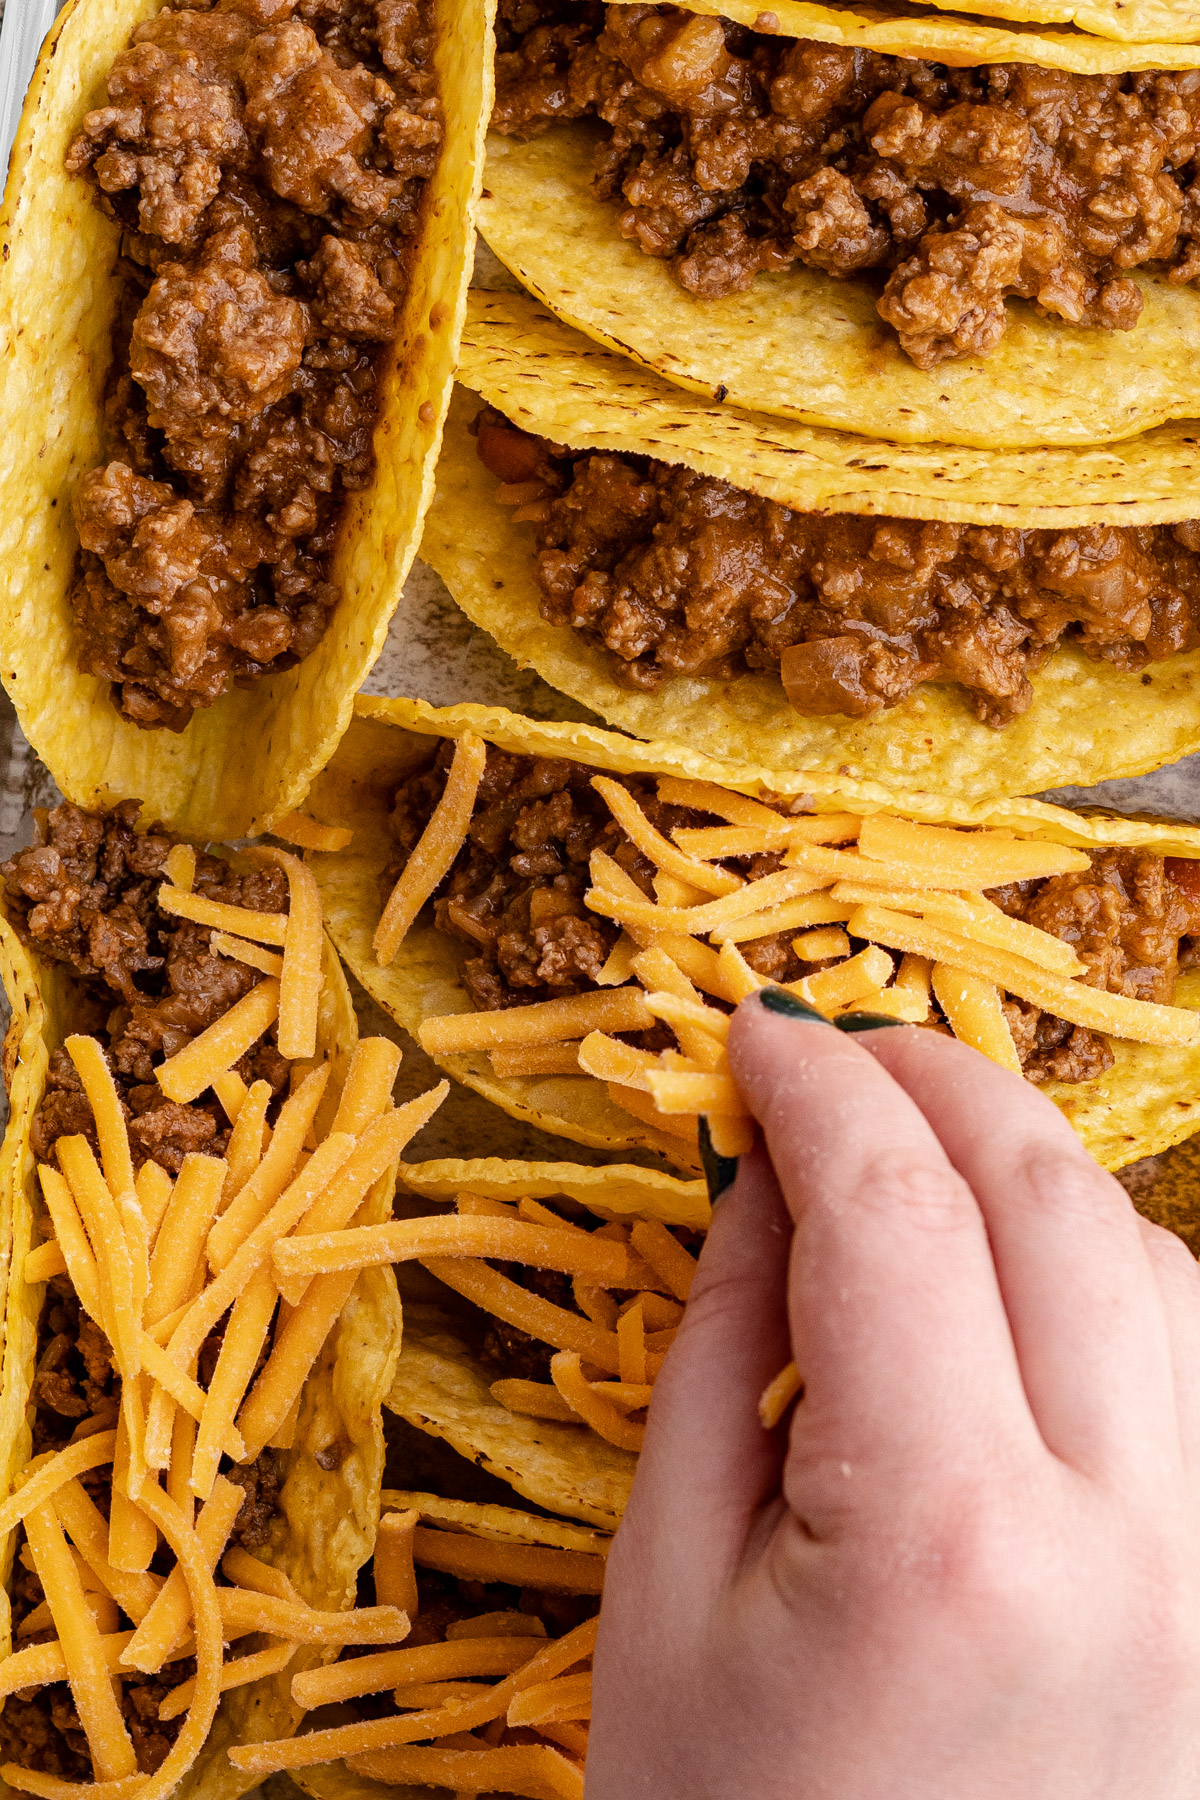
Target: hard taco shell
x,y
1088,720
325,1529
335,1781
1148,1100
804,345
441,1388
1125,21
243,763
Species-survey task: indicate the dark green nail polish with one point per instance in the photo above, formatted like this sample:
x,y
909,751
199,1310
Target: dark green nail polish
x,y
789,1005
865,1021
719,1171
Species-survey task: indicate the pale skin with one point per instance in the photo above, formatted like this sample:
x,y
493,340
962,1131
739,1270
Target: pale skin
x,y
968,1566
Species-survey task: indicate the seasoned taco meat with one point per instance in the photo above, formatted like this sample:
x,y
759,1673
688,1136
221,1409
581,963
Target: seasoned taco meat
x,y
43,1731
515,897
265,161
262,1480
505,1350
444,1601
729,151
515,894
1132,918
74,1378
675,573
85,894
75,1390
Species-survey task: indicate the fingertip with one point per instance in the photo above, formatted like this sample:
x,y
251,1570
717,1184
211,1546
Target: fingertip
x,y
776,1041
784,1004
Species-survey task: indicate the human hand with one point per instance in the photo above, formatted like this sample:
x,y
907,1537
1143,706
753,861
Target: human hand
x,y
969,1565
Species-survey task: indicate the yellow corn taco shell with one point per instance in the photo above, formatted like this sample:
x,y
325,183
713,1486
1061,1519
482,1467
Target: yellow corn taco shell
x,y
523,360
442,1389
1138,22
806,346
325,1527
1088,720
243,763
1148,1100
499,1524
617,1190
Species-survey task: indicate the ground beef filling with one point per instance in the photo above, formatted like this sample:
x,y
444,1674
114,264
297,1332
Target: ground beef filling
x,y
41,1730
729,152
512,1354
85,894
443,1602
1133,919
265,161
75,1393
515,896
674,573
74,1379
507,1351
515,893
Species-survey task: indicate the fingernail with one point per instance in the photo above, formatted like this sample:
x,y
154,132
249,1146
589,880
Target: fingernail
x,y
865,1021
790,1006
719,1171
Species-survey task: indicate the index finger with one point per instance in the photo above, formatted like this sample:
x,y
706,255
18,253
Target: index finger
x,y
898,1325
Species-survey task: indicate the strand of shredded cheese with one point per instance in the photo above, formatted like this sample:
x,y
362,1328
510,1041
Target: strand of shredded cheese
x,y
438,846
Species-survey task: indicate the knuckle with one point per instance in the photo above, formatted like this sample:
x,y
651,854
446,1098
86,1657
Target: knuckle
x,y
1062,1176
1171,1254
975,1562
993,1577
922,1193
981,1545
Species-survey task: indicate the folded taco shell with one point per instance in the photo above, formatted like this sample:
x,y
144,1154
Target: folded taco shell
x,y
325,1529
246,761
807,346
1149,1099
442,1389
1088,720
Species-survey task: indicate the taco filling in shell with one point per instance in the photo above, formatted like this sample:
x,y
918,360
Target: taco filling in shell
x,y
266,166
581,1349
85,895
488,1688
675,573
527,897
219,1102
728,152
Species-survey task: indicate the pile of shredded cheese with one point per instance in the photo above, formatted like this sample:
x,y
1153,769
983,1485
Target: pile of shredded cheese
x,y
915,894
157,1263
607,1359
493,1674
